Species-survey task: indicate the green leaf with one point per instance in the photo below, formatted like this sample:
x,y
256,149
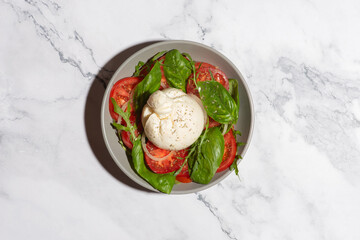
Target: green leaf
x,y
118,109
177,69
146,66
225,127
237,132
234,165
208,158
233,90
138,68
126,116
118,134
218,102
146,87
128,109
156,56
161,182
120,127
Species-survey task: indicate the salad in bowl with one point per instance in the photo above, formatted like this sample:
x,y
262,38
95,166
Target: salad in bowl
x,y
175,119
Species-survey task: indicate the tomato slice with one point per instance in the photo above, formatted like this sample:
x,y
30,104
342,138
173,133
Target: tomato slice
x,y
203,71
229,151
121,92
125,135
184,175
184,179
203,74
172,163
164,83
184,171
199,65
213,123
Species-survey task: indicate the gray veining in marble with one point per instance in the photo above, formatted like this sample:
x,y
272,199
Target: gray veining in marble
x,y
299,179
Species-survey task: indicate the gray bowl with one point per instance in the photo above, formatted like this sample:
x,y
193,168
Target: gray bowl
x,y
198,52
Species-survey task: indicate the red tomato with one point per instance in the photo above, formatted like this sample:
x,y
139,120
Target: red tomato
x,y
125,135
144,70
213,123
203,74
164,83
199,65
172,163
203,71
121,92
229,151
184,176
184,171
184,179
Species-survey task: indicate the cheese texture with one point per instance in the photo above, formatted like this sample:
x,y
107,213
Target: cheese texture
x,y
172,119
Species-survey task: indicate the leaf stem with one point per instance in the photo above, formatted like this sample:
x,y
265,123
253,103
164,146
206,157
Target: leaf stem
x,y
126,116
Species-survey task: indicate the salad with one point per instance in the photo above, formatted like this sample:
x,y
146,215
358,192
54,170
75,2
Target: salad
x,y
175,119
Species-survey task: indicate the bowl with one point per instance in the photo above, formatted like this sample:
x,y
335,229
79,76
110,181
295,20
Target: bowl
x,y
198,52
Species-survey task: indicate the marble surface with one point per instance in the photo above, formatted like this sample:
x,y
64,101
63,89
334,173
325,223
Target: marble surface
x,y
299,179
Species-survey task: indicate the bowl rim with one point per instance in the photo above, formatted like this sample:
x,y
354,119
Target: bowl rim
x,y
139,52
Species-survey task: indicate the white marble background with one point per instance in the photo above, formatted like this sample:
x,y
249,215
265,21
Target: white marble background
x,y
299,179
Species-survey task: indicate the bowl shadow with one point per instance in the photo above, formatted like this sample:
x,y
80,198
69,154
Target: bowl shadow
x,y
93,110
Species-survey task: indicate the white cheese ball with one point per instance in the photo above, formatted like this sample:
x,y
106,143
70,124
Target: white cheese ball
x,y
172,119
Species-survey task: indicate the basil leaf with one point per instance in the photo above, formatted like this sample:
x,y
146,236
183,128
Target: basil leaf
x,y
233,90
161,182
146,66
208,158
146,87
177,69
218,102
